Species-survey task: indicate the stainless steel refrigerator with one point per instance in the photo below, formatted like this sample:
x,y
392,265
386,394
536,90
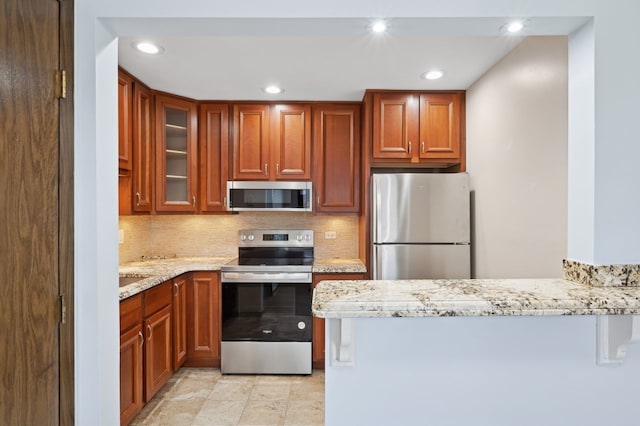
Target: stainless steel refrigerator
x,y
421,226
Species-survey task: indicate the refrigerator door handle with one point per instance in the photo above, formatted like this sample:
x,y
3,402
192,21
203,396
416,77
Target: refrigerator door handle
x,y
375,263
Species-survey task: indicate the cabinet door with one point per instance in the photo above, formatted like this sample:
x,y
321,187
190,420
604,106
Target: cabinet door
x,y
179,321
157,354
251,141
318,341
214,156
203,322
440,126
336,144
395,125
291,142
142,149
131,403
125,85
176,154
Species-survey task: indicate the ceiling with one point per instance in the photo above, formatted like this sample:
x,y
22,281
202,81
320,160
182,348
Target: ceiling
x,y
317,59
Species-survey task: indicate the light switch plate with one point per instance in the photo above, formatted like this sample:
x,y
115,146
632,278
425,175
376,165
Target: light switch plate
x,y
120,236
330,235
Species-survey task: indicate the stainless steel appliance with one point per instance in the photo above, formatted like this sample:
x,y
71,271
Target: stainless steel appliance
x,y
420,226
266,304
269,196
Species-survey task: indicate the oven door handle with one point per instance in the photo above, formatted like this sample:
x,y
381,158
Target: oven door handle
x,y
266,277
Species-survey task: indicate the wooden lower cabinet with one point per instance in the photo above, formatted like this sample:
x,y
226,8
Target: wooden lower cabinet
x,y
203,319
157,355
318,343
131,357
179,321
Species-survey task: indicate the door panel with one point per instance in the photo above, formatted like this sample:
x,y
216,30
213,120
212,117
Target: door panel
x,y
29,221
291,142
157,353
440,126
421,208
395,125
142,149
407,262
214,156
251,142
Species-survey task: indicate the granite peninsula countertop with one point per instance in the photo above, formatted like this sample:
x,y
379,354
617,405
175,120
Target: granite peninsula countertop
x,y
338,266
472,297
156,271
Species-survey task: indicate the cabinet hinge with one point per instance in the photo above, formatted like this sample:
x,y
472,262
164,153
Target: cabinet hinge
x,y
61,78
63,310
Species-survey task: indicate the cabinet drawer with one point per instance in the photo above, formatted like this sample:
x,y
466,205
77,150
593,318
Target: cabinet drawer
x,y
130,312
157,298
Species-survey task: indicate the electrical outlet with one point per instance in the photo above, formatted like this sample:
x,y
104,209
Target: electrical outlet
x,y
330,235
120,236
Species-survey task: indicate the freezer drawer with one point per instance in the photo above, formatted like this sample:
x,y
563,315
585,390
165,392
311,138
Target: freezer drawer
x,y
424,261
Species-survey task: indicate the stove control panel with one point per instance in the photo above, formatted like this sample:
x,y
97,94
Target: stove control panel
x,y
275,238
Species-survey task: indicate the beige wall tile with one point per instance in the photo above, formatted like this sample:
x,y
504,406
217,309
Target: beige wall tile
x,y
215,235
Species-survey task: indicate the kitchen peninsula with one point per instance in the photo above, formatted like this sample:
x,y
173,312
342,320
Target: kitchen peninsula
x,y
482,352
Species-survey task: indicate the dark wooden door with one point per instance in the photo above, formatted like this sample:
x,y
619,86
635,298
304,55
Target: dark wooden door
x,y
35,191
214,156
179,321
290,142
203,321
251,142
142,149
336,171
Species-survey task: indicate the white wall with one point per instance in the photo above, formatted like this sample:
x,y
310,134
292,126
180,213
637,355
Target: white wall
x,y
616,230
517,161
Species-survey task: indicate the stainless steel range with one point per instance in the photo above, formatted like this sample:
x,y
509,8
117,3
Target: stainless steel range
x,y
266,304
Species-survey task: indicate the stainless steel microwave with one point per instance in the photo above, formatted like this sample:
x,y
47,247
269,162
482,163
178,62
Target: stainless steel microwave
x,y
269,196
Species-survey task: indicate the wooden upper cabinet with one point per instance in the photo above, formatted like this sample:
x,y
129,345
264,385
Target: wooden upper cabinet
x,y
291,142
418,127
125,88
440,126
176,154
336,153
395,125
142,172
214,156
271,142
251,141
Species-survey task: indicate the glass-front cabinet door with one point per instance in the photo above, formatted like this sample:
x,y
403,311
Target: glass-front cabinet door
x,y
176,154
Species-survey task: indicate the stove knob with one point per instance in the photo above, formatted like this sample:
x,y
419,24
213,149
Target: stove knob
x,y
243,237
299,237
251,237
307,237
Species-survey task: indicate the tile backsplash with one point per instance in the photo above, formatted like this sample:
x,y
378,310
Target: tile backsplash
x,y
215,235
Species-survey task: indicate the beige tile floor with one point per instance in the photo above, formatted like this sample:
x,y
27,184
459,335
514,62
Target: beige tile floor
x,y
203,396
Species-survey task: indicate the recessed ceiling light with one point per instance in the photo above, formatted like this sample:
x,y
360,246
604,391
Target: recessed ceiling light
x,y
432,75
379,27
514,27
273,90
149,48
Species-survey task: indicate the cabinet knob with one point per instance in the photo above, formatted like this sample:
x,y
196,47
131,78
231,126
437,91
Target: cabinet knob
x,y
149,332
409,147
318,201
194,201
175,289
141,338
422,147
278,168
224,201
138,198
266,169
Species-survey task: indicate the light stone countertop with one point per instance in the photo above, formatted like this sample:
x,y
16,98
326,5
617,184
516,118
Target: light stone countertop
x,y
156,271
502,297
338,266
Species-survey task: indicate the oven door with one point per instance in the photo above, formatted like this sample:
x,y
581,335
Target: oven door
x,y
266,307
